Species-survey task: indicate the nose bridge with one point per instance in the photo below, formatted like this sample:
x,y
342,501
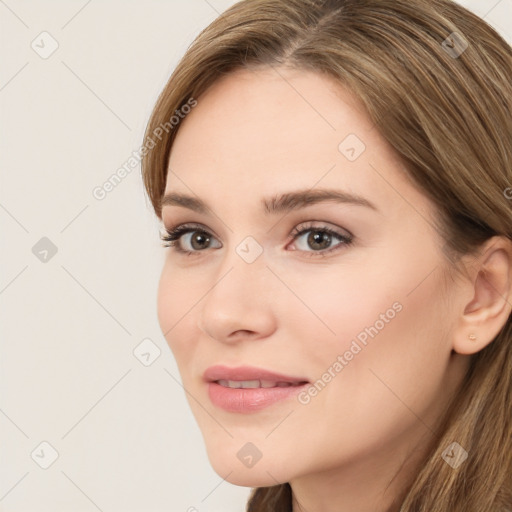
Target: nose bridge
x,y
243,267
240,276
239,298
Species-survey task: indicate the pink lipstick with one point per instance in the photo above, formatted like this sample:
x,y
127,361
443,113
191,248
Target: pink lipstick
x,y
246,389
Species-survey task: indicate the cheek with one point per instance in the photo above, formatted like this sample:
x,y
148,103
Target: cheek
x,y
166,302
390,301
389,328
176,297
394,358
334,305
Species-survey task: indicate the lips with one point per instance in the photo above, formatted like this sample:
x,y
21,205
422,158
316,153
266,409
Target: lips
x,y
246,389
253,384
250,377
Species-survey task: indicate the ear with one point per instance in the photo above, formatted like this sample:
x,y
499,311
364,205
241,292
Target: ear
x,y
490,289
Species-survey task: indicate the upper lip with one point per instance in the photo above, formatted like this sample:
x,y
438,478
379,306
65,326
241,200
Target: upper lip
x,y
219,372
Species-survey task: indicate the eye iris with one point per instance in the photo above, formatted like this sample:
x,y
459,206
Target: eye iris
x,y
199,237
317,237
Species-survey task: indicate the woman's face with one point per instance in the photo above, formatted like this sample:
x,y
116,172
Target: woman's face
x,y
366,322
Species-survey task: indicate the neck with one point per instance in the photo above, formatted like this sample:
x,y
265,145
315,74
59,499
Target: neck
x,y
377,483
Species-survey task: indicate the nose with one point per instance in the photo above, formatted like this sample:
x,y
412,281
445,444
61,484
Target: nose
x,y
239,304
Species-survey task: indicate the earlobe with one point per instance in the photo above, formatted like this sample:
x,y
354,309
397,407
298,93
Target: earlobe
x,y
489,309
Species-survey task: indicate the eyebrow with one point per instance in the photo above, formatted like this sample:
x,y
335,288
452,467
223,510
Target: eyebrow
x,y
279,203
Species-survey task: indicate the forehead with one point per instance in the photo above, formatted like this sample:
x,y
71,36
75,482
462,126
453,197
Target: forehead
x,y
269,130
268,114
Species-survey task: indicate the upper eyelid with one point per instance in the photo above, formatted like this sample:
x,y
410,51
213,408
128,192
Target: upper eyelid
x,y
301,226
345,241
180,230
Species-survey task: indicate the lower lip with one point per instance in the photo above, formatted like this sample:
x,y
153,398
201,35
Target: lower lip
x,y
245,400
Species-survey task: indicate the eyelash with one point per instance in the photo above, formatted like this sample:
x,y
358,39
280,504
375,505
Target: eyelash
x,y
172,236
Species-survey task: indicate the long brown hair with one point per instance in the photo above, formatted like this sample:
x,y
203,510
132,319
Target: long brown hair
x,y
437,82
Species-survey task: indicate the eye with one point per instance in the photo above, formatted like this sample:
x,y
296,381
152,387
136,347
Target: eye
x,y
320,239
173,238
198,239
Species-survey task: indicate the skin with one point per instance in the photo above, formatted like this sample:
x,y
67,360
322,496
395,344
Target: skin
x,y
357,443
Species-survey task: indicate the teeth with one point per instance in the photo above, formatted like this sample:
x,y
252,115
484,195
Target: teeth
x,y
247,384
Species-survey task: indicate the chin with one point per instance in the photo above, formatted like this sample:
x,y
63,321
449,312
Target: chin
x,y
264,473
248,478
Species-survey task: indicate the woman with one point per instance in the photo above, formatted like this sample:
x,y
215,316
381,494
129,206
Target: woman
x,y
334,179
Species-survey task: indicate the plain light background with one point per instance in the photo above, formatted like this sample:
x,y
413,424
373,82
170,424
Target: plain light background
x,y
71,320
